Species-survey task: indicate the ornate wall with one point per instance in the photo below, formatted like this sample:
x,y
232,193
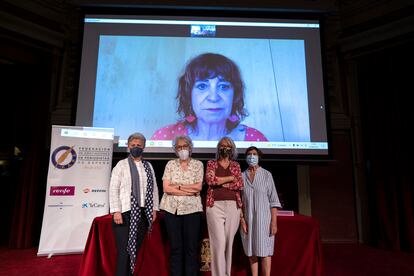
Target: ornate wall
x,y
52,29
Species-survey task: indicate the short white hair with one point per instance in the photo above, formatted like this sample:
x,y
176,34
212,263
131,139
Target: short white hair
x,y
186,138
138,136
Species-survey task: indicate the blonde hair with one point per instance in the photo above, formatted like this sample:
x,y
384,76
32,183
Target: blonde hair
x,y
233,148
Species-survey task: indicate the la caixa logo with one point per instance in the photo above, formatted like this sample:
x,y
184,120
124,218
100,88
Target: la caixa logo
x,y
93,205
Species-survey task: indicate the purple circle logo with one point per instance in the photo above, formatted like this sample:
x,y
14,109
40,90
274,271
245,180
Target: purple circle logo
x,y
64,157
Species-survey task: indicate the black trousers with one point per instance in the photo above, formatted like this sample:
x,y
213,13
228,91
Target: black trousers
x,y
121,232
184,235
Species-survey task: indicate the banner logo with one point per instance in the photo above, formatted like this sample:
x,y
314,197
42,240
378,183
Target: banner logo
x,y
62,190
64,160
94,157
93,205
87,190
98,191
60,205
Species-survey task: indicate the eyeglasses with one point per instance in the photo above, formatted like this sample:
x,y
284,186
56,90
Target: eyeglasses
x,y
182,147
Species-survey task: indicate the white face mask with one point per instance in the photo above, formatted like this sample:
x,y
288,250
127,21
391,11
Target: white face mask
x,y
252,160
183,154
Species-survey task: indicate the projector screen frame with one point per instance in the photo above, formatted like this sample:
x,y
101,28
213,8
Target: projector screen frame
x,y
230,13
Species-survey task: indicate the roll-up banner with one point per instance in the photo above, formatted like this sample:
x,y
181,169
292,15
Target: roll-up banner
x,y
77,187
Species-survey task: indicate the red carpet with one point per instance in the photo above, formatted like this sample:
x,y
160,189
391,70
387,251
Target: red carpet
x,y
339,259
361,260
25,262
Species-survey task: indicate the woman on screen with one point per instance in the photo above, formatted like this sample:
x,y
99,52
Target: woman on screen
x,y
211,102
258,221
223,208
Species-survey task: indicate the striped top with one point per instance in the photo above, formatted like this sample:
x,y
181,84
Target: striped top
x,y
258,198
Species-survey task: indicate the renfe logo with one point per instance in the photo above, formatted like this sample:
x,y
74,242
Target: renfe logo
x,y
62,190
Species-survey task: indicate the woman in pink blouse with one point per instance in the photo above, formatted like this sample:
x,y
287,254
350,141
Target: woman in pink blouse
x,y
210,102
224,179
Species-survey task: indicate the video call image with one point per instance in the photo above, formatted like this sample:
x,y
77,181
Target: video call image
x,y
251,89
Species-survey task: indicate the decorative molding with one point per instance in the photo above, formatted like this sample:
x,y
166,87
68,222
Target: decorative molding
x,y
30,29
55,26
53,10
233,5
340,121
360,14
391,30
304,194
338,108
70,57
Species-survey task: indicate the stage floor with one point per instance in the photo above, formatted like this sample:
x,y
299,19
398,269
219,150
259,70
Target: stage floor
x,y
339,260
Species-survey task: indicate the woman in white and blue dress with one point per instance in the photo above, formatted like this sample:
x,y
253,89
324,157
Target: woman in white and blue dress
x,y
259,218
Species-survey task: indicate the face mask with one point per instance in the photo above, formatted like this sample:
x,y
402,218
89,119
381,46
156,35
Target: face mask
x,y
252,160
183,154
136,152
225,152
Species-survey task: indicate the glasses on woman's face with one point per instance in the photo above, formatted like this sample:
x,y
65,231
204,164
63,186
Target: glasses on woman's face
x,y
181,147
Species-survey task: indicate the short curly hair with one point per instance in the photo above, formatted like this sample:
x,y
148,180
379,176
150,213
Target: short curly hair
x,y
207,66
186,138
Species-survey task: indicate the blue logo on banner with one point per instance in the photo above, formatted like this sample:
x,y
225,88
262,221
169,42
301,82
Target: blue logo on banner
x,y
61,162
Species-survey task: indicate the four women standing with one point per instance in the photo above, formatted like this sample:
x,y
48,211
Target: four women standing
x,y
182,183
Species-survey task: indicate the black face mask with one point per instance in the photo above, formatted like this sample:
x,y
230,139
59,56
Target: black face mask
x,y
136,152
225,152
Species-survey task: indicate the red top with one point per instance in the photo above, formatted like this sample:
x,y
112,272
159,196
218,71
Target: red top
x,y
169,132
212,180
220,192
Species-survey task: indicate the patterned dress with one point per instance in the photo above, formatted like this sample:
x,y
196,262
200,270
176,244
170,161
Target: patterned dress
x,y
258,198
170,131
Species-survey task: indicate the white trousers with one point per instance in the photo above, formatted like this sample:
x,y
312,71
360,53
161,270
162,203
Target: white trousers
x,y
223,222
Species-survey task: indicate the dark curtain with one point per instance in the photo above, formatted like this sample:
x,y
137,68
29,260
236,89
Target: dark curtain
x,y
386,87
28,110
29,200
